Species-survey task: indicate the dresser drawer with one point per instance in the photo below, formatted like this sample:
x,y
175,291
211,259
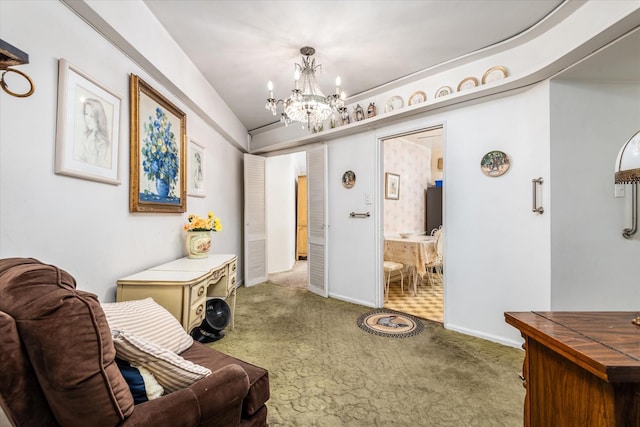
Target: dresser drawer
x,y
198,291
197,313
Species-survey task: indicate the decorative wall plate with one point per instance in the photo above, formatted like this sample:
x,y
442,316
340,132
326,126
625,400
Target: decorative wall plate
x,y
443,91
348,179
417,98
394,103
494,163
468,83
494,74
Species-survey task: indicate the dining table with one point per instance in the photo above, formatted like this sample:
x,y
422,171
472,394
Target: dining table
x,y
413,251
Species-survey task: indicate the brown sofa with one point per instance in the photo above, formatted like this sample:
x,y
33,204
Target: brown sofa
x,y
57,366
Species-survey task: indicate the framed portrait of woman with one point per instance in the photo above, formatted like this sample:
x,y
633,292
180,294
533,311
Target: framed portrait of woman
x,y
88,127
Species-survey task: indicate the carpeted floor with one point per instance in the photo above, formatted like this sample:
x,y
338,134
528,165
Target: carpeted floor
x,y
326,371
295,278
428,304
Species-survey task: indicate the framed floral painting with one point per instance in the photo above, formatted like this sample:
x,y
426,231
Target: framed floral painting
x,y
196,170
158,151
88,127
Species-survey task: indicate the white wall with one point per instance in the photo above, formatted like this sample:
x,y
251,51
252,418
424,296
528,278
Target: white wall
x,y
83,226
281,212
497,250
412,162
352,242
593,267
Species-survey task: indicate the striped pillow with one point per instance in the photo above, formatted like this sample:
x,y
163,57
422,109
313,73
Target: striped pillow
x,y
172,371
150,321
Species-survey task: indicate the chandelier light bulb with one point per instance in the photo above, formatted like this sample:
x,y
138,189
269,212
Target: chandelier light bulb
x,y
270,87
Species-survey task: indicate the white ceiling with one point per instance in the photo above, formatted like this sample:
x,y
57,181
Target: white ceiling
x,y
240,45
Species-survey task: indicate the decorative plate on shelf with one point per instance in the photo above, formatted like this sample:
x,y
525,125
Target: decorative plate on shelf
x,y
468,83
494,163
443,91
417,98
494,74
394,103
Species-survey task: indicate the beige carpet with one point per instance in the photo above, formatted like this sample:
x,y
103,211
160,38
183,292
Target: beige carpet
x,y
326,371
295,278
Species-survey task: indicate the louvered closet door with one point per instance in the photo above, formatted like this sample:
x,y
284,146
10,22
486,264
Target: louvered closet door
x,y
255,224
317,220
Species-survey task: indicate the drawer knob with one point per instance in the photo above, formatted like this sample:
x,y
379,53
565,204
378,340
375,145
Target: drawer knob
x,y
201,291
233,281
200,309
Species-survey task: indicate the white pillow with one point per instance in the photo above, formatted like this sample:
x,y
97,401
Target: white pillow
x,y
151,384
148,320
172,371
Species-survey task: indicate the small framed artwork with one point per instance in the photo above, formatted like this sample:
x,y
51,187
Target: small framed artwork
x,y
88,127
196,169
494,163
158,151
391,186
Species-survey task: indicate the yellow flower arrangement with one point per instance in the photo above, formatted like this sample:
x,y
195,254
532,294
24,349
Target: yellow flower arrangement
x,y
197,223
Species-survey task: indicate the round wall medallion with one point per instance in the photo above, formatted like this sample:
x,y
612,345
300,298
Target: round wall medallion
x,y
348,179
494,163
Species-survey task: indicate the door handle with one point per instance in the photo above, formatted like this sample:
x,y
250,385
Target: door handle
x,y
535,183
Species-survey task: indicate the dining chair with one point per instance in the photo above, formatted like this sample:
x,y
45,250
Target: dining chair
x,y
435,266
390,267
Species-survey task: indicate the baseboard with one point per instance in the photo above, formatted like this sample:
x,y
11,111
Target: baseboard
x,y
351,300
488,337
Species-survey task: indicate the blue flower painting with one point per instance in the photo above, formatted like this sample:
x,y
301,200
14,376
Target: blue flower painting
x,y
160,158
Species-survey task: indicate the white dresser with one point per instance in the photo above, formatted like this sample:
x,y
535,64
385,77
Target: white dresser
x,y
183,286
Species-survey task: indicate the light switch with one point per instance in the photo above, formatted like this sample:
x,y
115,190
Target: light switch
x,y
619,191
367,198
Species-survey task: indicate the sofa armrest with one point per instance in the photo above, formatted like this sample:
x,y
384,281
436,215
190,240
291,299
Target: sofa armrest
x,y
221,401
213,400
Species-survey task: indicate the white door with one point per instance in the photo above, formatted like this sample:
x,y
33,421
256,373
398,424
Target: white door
x,y
255,224
317,223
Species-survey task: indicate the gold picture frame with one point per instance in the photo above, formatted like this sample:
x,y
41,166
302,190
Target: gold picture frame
x,y
157,174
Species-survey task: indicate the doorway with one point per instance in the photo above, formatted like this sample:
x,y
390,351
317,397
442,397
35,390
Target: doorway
x,y
415,163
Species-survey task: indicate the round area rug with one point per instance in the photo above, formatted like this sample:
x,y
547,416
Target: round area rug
x,y
390,323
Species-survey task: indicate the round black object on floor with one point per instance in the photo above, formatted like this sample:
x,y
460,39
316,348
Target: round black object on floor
x,y
216,318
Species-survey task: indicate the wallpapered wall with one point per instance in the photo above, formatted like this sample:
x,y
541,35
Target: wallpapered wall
x,y
413,163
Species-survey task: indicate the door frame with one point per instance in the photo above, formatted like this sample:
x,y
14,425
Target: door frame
x,y
380,191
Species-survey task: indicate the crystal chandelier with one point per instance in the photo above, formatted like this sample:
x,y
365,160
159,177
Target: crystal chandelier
x,y
307,104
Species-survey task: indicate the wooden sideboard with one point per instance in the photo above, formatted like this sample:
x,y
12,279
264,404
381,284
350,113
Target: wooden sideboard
x,y
183,286
580,368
